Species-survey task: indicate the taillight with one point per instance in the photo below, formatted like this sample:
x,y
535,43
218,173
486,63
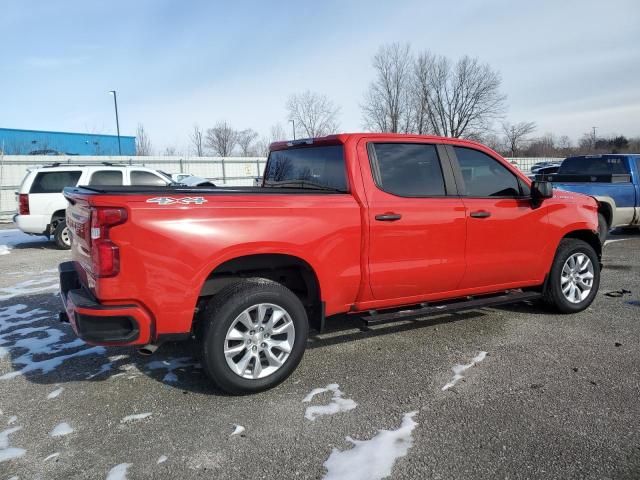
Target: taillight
x,y
23,201
105,255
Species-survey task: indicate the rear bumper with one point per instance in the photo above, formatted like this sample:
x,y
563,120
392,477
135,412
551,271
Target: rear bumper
x,y
100,324
33,224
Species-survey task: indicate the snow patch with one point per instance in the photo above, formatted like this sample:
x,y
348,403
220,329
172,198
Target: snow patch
x,y
29,287
238,429
13,236
137,416
6,452
4,250
171,365
338,403
119,472
53,455
459,369
162,459
55,393
372,459
29,331
61,430
106,367
12,419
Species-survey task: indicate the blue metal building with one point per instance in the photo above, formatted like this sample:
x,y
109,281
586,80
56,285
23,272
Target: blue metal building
x,y
37,142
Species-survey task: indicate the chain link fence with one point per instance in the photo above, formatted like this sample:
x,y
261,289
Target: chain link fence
x,y
233,171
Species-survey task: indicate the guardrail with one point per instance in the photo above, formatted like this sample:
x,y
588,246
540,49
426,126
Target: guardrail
x,y
234,171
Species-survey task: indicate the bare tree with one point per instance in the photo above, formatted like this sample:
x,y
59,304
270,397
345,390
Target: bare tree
x,y
245,141
515,135
387,102
313,114
276,134
222,139
143,143
170,152
460,99
197,140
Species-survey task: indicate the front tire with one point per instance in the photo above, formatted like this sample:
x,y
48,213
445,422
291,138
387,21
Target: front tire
x,y
574,277
61,236
254,334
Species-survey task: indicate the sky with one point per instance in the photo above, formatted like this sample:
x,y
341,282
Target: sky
x,y
566,65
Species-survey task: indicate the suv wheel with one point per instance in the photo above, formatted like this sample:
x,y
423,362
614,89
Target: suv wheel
x,y
574,277
254,334
62,236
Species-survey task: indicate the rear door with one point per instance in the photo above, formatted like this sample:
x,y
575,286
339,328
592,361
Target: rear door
x,y
417,221
144,177
504,232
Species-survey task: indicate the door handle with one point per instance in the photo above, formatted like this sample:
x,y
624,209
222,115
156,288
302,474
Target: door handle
x,y
388,217
480,214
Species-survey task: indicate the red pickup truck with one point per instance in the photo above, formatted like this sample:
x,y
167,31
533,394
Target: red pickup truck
x,y
378,225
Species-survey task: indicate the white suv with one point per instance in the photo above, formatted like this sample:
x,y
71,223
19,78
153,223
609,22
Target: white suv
x,y
41,203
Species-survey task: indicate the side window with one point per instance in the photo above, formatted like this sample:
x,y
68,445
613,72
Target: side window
x,y
140,177
54,182
408,169
485,176
106,178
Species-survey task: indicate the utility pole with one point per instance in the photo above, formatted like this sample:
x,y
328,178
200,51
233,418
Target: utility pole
x,y
115,103
293,127
594,137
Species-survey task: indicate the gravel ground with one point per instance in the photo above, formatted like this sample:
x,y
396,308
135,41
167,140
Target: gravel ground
x,y
556,396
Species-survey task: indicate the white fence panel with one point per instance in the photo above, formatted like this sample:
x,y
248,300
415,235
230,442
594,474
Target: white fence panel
x,y
240,171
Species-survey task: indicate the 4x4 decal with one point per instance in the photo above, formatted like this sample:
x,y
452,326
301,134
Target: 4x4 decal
x,y
172,200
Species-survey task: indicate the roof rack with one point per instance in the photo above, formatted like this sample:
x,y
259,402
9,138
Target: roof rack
x,y
81,164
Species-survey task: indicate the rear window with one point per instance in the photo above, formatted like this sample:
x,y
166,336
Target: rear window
x,y
140,177
54,182
106,178
593,166
307,167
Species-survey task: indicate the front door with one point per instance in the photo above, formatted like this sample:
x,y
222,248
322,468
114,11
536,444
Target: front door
x,y
504,232
417,227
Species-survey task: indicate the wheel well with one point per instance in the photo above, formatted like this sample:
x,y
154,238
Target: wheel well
x,y
58,215
606,211
589,237
292,272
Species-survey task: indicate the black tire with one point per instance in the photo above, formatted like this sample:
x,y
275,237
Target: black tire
x,y
603,228
553,295
61,236
220,314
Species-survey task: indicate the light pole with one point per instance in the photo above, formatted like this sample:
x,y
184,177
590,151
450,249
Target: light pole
x,y
115,103
293,127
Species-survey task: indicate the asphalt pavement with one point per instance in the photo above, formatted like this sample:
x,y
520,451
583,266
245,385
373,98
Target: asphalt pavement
x,y
555,396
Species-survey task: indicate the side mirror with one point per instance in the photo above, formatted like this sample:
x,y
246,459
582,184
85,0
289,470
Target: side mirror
x,y
541,189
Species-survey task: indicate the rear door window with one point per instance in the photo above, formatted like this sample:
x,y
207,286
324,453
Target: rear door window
x,y
54,182
141,177
408,169
106,178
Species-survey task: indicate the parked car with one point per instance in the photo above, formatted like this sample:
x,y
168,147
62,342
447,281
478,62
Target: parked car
x,y
544,165
382,226
42,205
178,177
612,179
545,170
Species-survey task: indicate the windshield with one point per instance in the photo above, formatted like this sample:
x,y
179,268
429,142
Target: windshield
x,y
307,167
605,165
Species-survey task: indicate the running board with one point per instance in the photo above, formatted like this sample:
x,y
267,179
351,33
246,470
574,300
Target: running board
x,y
375,318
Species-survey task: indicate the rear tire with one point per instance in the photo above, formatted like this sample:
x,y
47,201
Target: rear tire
x,y
574,277
603,228
246,331
61,236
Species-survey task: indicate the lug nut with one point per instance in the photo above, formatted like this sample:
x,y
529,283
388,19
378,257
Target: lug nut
x,y
266,335
252,332
263,345
254,348
261,329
